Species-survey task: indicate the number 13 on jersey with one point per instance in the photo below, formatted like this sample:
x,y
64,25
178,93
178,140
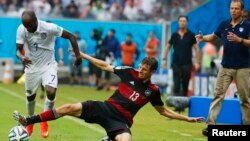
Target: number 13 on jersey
x,y
134,96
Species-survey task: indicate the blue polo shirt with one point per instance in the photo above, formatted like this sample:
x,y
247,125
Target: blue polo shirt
x,y
235,55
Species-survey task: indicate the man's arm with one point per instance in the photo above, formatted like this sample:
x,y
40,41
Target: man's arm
x,y
73,41
206,38
165,55
197,54
98,63
164,111
60,50
21,55
234,38
19,51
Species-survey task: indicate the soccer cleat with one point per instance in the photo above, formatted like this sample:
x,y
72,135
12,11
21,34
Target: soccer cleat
x,y
20,118
205,131
29,129
44,129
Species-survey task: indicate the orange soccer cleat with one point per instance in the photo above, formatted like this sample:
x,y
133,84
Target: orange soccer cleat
x,y
29,129
44,129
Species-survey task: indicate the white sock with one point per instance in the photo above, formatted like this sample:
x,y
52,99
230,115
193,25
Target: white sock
x,y
48,104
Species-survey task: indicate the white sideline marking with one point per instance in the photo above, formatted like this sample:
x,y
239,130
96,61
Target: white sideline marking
x,y
78,121
73,99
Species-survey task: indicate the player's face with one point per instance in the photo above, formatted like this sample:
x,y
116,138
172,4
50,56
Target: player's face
x,y
144,72
235,10
30,25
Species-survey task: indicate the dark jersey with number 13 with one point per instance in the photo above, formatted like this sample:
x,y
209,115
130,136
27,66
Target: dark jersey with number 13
x,y
132,94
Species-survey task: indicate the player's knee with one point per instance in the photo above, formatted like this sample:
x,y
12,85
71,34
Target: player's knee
x,y
51,93
67,108
30,96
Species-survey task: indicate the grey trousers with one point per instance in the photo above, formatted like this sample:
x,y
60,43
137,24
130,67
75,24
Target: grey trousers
x,y
224,78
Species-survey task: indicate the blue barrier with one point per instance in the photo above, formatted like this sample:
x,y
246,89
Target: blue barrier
x,y
230,112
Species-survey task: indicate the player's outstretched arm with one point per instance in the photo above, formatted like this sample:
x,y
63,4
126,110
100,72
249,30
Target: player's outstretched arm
x,y
74,45
98,63
164,111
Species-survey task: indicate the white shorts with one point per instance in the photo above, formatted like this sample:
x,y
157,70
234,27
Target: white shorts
x,y
46,77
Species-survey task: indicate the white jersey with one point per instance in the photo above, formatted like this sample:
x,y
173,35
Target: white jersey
x,y
40,45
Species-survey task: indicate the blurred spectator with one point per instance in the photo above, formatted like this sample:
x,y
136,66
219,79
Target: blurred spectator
x,y
116,10
112,45
3,6
131,11
71,10
152,45
147,6
209,54
26,5
76,72
101,53
104,15
129,51
42,8
141,15
57,9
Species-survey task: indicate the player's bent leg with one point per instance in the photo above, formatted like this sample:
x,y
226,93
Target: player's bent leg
x,y
123,137
70,110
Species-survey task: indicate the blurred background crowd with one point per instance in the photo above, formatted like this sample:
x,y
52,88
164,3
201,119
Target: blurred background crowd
x,y
128,10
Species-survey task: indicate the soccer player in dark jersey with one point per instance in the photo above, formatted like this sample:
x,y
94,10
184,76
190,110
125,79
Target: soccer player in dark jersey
x,y
116,113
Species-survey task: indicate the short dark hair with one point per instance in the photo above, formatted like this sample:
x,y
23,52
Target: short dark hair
x,y
112,30
183,16
30,13
151,61
240,1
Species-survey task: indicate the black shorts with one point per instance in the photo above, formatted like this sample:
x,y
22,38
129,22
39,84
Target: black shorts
x,y
105,115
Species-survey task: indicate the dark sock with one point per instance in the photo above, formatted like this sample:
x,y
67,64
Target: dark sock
x,y
44,116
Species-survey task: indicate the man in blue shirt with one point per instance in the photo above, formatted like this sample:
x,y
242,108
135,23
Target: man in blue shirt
x,y
235,35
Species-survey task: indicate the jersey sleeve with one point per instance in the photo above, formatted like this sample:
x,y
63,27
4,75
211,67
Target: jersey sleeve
x,y
219,30
55,29
20,35
155,99
122,71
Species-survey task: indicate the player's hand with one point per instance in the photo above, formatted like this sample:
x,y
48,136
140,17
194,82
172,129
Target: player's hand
x,y
197,66
199,37
78,61
196,119
233,37
26,62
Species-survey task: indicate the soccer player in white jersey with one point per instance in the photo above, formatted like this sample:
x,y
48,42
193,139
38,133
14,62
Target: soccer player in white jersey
x,y
39,62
